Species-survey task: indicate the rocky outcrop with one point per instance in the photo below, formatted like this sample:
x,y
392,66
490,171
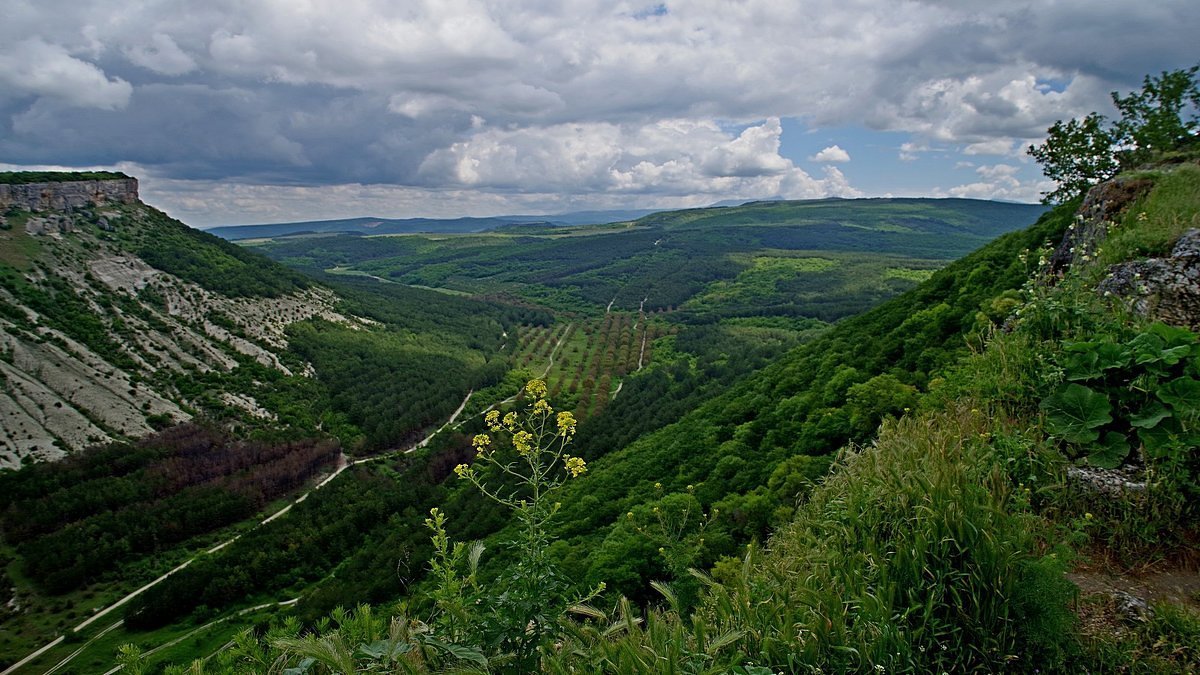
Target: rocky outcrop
x,y
1166,289
154,342
69,195
1103,205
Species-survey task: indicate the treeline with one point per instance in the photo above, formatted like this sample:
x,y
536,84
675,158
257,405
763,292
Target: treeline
x,y
23,177
390,384
75,521
364,505
472,323
670,258
206,260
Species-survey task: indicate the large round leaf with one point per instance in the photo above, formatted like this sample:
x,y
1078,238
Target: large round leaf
x,y
1111,452
1182,394
1075,413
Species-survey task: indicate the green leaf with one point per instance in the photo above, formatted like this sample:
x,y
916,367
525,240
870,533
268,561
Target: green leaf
x,y
304,667
1111,355
1172,335
459,652
1159,437
380,649
1173,355
1182,394
1150,416
1083,364
1111,452
1074,413
1147,348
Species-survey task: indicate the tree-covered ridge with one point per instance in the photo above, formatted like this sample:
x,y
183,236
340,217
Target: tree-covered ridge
x,y
199,257
26,177
689,259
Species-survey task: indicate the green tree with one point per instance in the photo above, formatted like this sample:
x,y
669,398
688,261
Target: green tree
x,y
1154,119
1162,117
1077,155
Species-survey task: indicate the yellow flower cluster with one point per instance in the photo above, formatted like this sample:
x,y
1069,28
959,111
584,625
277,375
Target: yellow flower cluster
x,y
492,419
575,465
566,424
481,443
462,470
536,388
542,407
523,442
510,421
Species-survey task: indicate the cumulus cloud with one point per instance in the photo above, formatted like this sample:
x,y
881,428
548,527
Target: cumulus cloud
x,y
485,94
832,154
668,157
1002,182
995,146
37,68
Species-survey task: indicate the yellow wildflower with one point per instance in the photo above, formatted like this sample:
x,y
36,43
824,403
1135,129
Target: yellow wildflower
x,y
575,465
462,470
566,424
481,443
542,407
510,421
492,419
536,388
523,442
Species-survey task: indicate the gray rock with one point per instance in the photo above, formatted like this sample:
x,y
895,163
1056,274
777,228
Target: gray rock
x,y
1132,608
70,195
1104,204
1112,482
1166,289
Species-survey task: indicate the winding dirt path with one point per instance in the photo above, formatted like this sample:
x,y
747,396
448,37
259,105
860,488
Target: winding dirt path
x,y
342,464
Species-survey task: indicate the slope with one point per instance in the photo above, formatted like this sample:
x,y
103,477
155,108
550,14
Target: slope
x,y
939,544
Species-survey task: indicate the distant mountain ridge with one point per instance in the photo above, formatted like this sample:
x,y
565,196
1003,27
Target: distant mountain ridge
x,y
371,225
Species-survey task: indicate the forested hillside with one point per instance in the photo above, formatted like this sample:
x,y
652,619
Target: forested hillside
x,y
188,387
823,259
925,487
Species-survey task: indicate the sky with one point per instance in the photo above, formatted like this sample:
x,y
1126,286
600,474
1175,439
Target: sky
x,y
253,111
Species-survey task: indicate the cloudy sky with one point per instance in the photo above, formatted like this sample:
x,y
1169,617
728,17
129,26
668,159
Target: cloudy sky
x,y
246,111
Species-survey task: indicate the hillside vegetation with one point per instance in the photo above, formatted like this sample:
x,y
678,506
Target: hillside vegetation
x,y
1007,385
823,259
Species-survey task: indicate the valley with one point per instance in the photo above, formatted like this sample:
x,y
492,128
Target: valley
x,y
274,436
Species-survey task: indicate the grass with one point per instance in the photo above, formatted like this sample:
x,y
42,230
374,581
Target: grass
x,y
18,249
1153,224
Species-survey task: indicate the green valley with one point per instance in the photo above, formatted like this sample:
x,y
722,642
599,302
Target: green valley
x,y
839,435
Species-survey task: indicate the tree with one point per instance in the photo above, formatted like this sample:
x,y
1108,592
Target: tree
x,y
1153,120
1076,155
1161,117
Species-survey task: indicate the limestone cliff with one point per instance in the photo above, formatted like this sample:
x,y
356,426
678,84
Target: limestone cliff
x,y
61,196
97,344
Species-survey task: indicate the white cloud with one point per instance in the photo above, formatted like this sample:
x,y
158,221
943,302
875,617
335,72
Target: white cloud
x,y
832,154
995,146
378,91
669,157
35,67
1003,182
